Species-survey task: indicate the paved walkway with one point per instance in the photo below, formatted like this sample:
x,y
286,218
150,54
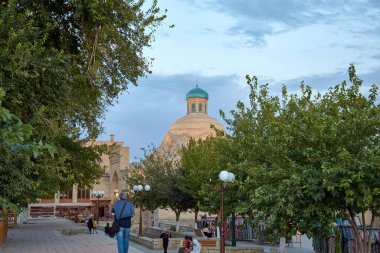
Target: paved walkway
x,y
46,236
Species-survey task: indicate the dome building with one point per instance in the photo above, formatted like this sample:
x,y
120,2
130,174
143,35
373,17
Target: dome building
x,y
196,124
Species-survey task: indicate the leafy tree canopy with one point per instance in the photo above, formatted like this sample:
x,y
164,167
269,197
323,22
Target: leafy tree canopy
x,y
300,160
308,157
160,168
61,64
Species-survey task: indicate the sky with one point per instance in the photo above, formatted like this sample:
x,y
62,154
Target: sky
x,y
216,43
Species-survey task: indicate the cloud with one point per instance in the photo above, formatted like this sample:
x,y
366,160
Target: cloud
x,y
257,19
323,82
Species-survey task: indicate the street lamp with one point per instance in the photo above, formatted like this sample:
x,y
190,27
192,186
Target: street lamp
x,y
225,176
139,188
98,195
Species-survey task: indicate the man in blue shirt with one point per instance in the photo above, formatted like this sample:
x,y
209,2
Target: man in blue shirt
x,y
123,211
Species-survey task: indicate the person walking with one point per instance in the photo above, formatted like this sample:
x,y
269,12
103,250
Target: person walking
x,y
165,240
123,211
89,224
107,229
94,226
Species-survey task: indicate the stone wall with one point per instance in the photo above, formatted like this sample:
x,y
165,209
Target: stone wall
x,y
174,243
154,243
233,250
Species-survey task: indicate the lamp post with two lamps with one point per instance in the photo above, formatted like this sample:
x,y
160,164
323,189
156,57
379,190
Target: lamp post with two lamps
x,y
98,195
138,189
224,176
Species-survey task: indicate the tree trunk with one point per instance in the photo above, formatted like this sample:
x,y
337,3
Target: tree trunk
x,y
281,247
196,211
351,219
177,214
233,231
364,245
370,231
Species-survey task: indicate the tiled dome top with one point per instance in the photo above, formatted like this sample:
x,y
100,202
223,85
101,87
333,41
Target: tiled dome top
x,y
197,93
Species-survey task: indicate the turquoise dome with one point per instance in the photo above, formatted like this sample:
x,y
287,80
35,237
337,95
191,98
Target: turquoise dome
x,y
197,93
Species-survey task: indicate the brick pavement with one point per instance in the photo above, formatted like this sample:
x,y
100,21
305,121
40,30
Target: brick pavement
x,y
44,236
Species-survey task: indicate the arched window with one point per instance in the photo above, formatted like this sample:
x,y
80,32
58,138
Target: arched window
x,y
192,107
205,108
199,107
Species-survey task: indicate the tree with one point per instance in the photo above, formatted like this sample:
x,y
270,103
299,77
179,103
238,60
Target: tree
x,y
308,157
202,161
350,167
161,170
62,63
16,151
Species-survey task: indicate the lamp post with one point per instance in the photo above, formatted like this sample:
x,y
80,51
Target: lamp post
x,y
98,195
138,189
224,176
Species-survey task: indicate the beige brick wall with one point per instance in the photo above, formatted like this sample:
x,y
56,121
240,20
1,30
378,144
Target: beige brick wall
x,y
196,102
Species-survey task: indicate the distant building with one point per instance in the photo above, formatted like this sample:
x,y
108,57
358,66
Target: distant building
x,y
196,124
77,204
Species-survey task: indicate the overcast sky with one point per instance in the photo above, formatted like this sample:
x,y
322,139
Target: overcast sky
x,y
216,43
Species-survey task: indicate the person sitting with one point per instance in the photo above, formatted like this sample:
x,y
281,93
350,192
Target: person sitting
x,y
187,245
107,229
196,246
206,231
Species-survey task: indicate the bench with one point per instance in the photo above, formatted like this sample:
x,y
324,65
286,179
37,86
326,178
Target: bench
x,y
208,242
204,242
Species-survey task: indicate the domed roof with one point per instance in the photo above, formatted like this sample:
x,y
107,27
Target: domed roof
x,y
197,93
193,125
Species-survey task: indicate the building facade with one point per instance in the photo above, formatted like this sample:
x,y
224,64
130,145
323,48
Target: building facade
x,y
78,204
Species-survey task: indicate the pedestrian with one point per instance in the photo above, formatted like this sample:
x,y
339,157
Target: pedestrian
x,y
94,226
89,224
107,229
123,211
197,247
165,240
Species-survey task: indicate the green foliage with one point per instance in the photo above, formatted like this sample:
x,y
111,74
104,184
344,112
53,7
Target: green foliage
x,y
306,157
17,175
160,168
61,64
299,160
202,161
6,205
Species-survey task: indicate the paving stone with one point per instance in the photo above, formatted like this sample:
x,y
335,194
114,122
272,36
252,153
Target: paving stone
x,y
43,236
